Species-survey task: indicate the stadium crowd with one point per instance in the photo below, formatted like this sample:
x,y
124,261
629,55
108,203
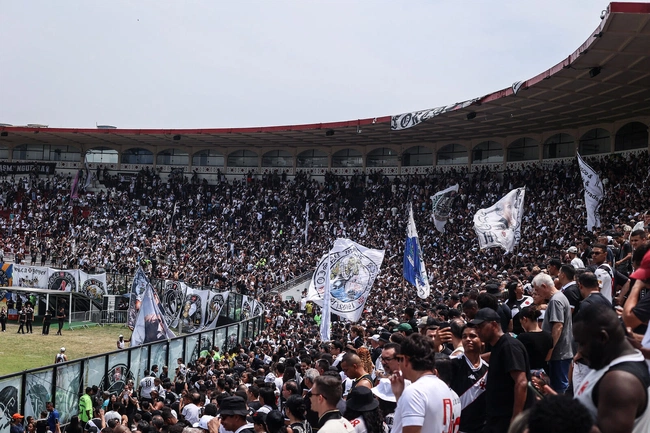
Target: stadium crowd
x,y
447,363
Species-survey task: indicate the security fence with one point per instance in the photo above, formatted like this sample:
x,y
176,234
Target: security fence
x,y
64,383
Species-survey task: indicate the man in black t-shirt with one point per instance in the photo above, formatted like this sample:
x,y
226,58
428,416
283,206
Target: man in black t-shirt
x,y
506,393
570,288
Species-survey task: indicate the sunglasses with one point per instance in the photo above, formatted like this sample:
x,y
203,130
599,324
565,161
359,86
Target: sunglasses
x,y
387,359
310,393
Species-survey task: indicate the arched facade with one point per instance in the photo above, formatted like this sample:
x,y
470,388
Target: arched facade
x,y
453,154
172,157
46,152
594,141
559,146
208,158
633,135
137,156
418,156
487,152
312,158
277,158
243,158
347,158
102,155
523,149
382,157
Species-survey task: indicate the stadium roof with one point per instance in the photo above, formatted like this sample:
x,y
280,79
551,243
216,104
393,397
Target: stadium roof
x,y
605,80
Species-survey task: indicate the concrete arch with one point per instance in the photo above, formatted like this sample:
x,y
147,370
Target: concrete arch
x,y
453,154
523,149
418,156
632,135
594,141
560,145
382,157
348,157
487,152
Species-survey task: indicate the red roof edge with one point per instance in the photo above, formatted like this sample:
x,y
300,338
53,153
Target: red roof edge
x,y
629,8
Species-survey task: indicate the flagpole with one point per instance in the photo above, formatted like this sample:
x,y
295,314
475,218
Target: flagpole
x,y
325,320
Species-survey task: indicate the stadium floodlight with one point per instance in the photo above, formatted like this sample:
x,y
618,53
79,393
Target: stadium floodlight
x,y
594,71
176,137
471,115
329,132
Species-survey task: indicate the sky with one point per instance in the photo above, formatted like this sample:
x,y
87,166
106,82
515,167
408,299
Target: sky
x,y
213,64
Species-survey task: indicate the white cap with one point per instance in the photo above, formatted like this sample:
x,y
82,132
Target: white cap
x,y
63,349
121,336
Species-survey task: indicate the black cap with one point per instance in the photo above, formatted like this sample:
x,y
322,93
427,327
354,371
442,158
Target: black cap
x,y
485,315
385,337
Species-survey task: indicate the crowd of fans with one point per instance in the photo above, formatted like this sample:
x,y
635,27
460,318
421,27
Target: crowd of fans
x,y
249,235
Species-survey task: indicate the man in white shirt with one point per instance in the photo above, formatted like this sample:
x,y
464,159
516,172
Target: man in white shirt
x,y
189,407
575,260
427,405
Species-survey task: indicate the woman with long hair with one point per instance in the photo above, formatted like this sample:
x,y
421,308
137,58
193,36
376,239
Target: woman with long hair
x,y
296,410
516,301
366,359
362,410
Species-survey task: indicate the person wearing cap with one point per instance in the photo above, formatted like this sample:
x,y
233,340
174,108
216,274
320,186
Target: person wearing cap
x,y
232,416
575,260
506,392
61,356
425,405
362,410
404,328
121,342
17,424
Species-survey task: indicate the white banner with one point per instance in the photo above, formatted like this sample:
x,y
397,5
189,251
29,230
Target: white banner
x,y
92,285
409,120
63,280
352,274
442,201
30,276
150,325
593,193
500,224
216,301
194,307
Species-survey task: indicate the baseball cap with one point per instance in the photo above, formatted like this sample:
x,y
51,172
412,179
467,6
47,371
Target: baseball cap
x,y
643,271
375,337
403,327
428,321
203,422
63,349
17,416
121,336
572,250
485,315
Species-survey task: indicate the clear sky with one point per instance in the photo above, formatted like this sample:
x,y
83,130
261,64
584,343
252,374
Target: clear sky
x,y
193,64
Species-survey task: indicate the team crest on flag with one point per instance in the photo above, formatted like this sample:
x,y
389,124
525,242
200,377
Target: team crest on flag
x,y
442,204
500,224
414,270
593,193
353,269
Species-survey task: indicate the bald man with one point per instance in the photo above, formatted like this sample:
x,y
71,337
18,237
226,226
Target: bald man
x,y
353,368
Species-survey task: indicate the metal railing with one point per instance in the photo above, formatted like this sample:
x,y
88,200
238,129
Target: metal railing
x,y
291,283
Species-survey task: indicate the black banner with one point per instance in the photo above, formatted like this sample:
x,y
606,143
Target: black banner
x,y
9,168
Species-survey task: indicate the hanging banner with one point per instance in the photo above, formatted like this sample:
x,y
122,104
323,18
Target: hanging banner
x,y
62,280
414,270
194,307
30,276
9,168
150,325
409,120
92,285
138,287
500,224
593,193
6,275
216,301
442,203
172,297
352,274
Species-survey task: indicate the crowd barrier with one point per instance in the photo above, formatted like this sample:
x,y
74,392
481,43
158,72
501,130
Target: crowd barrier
x,y
63,384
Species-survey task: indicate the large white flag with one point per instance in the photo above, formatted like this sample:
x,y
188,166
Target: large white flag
x,y
353,269
414,270
442,201
593,193
500,224
150,324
